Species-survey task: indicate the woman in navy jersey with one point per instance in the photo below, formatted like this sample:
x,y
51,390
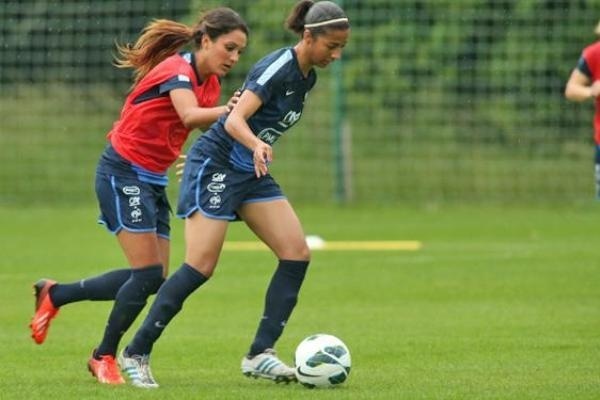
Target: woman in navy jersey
x,y
226,177
173,92
584,84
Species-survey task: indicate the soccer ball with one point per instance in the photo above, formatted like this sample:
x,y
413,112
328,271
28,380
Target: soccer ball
x,y
322,361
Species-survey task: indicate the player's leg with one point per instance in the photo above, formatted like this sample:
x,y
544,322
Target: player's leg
x,y
204,240
139,214
51,295
100,287
207,214
278,226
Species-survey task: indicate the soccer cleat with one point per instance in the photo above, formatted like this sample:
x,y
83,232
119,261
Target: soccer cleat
x,y
44,310
138,370
106,370
267,365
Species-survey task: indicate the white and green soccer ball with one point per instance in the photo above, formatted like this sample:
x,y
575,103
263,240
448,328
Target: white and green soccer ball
x,y
322,360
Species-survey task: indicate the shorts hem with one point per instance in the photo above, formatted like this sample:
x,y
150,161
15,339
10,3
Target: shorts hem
x,y
133,230
263,199
206,214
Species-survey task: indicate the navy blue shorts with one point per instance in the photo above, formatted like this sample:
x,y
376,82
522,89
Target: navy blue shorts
x,y
218,191
128,203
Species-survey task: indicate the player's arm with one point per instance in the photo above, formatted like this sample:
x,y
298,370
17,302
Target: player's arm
x,y
190,113
578,87
237,126
581,85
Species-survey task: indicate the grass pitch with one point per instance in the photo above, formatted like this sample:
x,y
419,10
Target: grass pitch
x,y
498,303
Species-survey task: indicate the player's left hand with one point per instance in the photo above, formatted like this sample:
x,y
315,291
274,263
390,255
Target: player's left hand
x,y
233,100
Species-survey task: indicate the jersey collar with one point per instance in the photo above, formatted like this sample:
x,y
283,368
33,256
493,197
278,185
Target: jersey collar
x,y
193,63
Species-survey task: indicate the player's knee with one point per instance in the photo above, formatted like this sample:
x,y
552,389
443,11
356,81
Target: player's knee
x,y
151,277
299,251
205,266
305,253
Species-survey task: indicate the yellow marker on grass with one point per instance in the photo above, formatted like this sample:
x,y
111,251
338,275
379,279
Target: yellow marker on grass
x,y
317,243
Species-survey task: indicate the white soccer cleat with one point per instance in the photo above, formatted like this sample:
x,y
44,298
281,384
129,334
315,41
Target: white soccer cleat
x,y
267,365
137,368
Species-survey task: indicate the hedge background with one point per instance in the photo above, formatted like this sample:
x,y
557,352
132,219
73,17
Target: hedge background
x,y
434,101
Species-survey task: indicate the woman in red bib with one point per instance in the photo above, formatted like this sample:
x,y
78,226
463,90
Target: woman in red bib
x,y
173,92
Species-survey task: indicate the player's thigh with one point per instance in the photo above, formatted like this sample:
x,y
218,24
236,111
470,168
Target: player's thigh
x,y
141,248
275,222
204,238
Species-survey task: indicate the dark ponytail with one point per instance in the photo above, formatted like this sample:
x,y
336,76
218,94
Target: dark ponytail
x,y
295,21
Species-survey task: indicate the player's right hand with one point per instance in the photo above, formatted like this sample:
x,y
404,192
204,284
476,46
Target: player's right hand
x,y
262,156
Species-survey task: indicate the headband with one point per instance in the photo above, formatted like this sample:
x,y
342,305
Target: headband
x,y
331,21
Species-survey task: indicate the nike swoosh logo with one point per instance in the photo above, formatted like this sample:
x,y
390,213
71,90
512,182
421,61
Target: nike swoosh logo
x,y
305,374
289,92
159,325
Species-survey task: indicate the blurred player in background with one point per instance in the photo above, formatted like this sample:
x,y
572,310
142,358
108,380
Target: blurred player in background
x,y
584,84
173,92
226,178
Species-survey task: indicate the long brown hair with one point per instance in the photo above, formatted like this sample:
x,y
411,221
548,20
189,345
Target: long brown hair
x,y
162,38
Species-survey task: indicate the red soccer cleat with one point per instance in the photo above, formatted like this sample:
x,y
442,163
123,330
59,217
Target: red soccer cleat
x,y
44,310
106,370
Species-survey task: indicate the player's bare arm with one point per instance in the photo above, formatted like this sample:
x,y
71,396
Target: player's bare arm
x,y
580,88
238,128
192,115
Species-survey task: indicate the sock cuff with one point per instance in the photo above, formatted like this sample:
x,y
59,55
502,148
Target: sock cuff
x,y
193,273
295,263
293,268
149,269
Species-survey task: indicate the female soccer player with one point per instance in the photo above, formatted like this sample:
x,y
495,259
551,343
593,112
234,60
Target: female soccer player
x,y
172,94
584,84
226,177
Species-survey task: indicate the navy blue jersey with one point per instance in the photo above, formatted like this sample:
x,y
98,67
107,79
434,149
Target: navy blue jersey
x,y
278,81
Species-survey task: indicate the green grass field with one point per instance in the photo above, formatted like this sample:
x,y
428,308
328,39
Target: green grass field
x,y
500,303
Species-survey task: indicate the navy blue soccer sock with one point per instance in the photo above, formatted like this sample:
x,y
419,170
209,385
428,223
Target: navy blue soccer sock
x,y
129,302
280,301
101,287
167,304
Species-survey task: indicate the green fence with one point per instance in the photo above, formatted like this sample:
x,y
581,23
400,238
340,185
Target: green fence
x,y
434,101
